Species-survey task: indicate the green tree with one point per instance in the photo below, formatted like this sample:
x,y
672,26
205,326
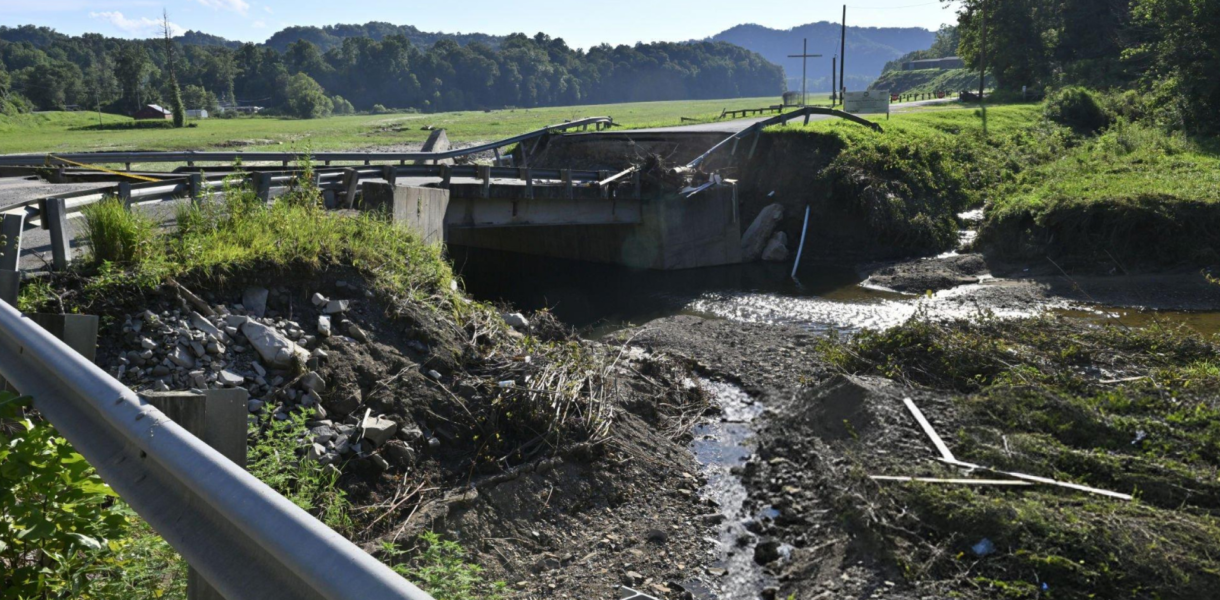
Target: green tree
x,y
133,69
1182,59
196,97
175,94
307,99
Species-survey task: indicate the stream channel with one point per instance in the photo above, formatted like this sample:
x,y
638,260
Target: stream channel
x,y
599,299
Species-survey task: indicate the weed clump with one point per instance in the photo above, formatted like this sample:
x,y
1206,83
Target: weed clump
x,y
1078,108
118,235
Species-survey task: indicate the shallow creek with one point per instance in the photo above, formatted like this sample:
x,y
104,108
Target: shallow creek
x,y
600,299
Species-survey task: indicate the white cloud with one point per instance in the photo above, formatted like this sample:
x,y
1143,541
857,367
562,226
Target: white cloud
x,y
238,6
258,24
268,9
136,27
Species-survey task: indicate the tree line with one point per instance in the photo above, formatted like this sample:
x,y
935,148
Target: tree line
x,y
45,70
1168,49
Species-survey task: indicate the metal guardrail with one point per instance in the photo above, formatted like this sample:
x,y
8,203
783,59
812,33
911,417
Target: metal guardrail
x,y
52,212
244,538
191,157
781,119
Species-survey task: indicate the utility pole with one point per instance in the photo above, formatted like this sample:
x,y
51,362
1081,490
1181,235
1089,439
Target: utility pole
x,y
804,56
834,90
843,53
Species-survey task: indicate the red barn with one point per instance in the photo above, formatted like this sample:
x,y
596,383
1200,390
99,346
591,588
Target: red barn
x,y
152,111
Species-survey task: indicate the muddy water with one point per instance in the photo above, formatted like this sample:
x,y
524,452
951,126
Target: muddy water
x,y
603,298
719,446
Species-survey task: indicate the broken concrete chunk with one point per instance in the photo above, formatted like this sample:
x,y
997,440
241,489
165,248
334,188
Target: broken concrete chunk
x,y
179,356
357,333
378,430
318,299
229,378
777,248
336,306
323,326
236,320
516,320
755,239
275,349
201,323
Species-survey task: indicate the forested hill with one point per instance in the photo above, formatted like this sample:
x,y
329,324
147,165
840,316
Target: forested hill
x,y
332,36
43,69
868,49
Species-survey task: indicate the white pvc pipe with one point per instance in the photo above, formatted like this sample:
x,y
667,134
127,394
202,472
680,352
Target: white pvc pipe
x,y
801,248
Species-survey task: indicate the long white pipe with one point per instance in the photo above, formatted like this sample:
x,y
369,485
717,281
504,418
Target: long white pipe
x,y
800,248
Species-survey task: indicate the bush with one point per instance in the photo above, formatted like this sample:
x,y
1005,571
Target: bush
x,y
116,234
380,109
55,522
342,106
1078,108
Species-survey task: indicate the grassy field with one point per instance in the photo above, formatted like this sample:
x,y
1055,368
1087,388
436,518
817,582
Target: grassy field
x,y
76,131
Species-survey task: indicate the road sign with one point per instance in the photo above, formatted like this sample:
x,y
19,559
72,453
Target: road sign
x,y
872,101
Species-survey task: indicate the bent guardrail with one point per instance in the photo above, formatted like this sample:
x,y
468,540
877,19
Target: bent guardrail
x,y
246,540
783,119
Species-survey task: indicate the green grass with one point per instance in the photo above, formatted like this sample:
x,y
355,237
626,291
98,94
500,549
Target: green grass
x,y
930,80
1130,410
1135,194
69,131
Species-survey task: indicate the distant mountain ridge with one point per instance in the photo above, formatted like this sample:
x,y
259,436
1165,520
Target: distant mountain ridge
x,y
868,49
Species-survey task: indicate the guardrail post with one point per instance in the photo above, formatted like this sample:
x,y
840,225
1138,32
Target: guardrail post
x,y
55,215
390,174
10,246
524,173
194,186
123,192
10,259
446,176
605,188
754,145
262,186
566,176
485,176
351,180
218,417
635,183
496,151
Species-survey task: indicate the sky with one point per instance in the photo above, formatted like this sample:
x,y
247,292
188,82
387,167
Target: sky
x,y
581,24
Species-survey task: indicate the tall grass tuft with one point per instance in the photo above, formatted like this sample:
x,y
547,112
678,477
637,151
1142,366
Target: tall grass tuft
x,y
118,235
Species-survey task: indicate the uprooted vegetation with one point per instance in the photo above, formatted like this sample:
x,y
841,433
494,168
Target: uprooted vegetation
x,y
475,404
1126,410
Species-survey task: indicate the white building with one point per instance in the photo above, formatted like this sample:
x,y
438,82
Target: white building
x,y
197,113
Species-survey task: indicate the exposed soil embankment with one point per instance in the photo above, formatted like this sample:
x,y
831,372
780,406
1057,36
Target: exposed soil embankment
x,y
559,464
